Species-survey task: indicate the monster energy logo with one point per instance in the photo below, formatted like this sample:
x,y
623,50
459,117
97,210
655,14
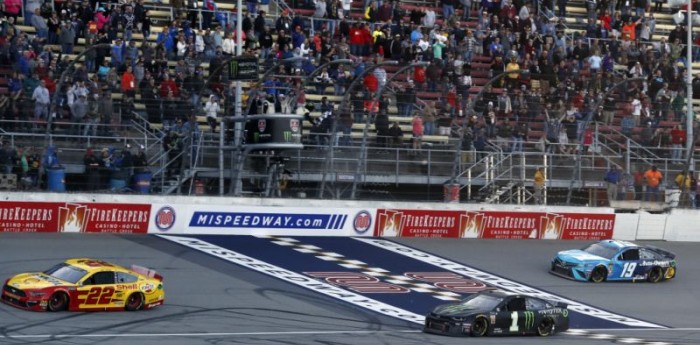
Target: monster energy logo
x,y
529,319
234,68
287,136
256,137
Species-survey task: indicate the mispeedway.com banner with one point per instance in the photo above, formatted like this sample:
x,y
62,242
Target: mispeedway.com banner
x,y
299,221
259,220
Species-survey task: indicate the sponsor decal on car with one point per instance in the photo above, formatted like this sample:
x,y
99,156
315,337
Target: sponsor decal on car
x,y
148,287
133,286
655,263
529,319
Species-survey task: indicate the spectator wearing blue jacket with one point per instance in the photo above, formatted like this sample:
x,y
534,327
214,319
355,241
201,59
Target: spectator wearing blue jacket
x,y
117,53
167,41
298,38
612,178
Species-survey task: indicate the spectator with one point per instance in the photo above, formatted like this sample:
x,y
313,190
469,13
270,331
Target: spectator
x,y
381,125
692,192
612,179
211,109
39,23
684,182
79,112
652,178
12,8
67,37
417,130
678,138
539,185
41,99
396,134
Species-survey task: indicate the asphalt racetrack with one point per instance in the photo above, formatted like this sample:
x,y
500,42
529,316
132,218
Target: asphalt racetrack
x,y
212,301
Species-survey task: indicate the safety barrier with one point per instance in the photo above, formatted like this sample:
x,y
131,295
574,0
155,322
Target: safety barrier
x,y
54,212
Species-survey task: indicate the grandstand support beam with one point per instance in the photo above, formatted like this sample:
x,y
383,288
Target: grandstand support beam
x,y
334,127
59,86
237,126
587,120
363,149
690,116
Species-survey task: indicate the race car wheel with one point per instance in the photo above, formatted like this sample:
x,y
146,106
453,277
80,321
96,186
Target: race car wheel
x,y
598,275
655,275
480,327
134,302
545,327
58,301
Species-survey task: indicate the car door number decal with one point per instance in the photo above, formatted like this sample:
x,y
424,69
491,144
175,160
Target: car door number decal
x,y
514,324
99,295
628,269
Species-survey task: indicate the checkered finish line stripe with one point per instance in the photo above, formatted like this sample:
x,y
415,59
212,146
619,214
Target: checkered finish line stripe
x,y
364,268
613,338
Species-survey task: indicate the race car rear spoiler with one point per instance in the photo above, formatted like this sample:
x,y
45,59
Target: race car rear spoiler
x,y
146,272
666,253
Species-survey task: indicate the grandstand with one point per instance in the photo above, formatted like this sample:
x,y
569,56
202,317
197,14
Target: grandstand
x,y
632,126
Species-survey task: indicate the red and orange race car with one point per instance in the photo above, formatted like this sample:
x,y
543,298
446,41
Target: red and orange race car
x,y
85,285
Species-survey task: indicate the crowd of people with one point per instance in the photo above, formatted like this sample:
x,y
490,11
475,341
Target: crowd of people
x,y
554,79
101,167
644,185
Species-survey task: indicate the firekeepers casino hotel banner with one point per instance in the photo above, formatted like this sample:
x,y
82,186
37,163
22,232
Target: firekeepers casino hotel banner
x,y
74,217
493,224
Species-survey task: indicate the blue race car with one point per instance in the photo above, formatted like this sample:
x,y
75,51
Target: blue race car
x,y
615,261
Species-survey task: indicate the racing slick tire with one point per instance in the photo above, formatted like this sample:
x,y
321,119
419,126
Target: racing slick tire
x,y
655,275
598,274
546,327
480,327
134,302
58,302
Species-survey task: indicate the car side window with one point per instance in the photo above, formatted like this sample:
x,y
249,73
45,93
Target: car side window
x,y
100,278
646,255
630,254
535,304
516,304
126,278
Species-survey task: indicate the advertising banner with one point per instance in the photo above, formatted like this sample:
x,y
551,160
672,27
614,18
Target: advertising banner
x,y
493,224
74,217
272,221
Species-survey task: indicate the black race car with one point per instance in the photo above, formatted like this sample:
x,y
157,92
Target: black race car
x,y
497,312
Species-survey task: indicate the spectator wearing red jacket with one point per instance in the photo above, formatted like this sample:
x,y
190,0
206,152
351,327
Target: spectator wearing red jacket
x,y
678,137
367,41
168,85
356,39
128,83
371,83
419,77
